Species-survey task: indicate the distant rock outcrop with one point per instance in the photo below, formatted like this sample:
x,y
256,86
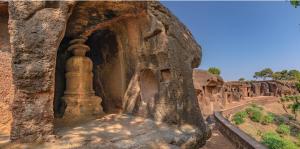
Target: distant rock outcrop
x,y
213,93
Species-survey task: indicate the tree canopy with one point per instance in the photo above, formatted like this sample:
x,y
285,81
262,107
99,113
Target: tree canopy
x,y
278,75
242,79
295,3
286,75
265,73
214,70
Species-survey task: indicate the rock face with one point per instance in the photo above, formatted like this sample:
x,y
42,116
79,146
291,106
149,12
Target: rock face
x,y
213,93
143,59
6,87
36,29
209,91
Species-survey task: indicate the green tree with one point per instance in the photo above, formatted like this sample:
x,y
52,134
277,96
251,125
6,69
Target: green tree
x,y
295,3
242,79
294,75
276,76
284,75
265,73
257,75
287,75
214,70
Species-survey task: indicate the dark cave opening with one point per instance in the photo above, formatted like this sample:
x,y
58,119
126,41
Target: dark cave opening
x,y
107,75
60,80
107,64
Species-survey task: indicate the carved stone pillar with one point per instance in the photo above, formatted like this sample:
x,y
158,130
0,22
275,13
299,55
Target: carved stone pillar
x,y
79,95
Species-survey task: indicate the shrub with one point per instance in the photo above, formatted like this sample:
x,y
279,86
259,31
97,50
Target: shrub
x,y
274,141
290,117
298,139
254,114
239,117
267,119
289,144
280,119
283,129
298,85
257,107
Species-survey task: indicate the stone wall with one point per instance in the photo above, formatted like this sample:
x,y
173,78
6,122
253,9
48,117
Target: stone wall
x,y
240,139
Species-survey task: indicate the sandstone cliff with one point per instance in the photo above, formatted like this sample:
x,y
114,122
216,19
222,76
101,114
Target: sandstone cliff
x,y
143,61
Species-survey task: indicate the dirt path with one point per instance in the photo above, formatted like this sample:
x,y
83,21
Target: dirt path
x,y
218,141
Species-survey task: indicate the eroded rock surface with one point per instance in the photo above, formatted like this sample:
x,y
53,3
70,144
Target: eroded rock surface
x,y
143,59
36,30
6,86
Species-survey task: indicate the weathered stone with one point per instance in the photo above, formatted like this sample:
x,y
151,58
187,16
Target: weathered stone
x,y
35,30
79,95
143,59
6,86
208,88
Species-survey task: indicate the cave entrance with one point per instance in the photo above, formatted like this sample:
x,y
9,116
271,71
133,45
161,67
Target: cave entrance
x,y
60,80
107,75
108,80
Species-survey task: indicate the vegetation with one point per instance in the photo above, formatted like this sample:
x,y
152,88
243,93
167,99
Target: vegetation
x,y
242,79
295,105
214,70
281,138
268,119
239,117
256,116
298,86
255,113
279,75
280,120
283,129
286,75
274,141
295,3
265,73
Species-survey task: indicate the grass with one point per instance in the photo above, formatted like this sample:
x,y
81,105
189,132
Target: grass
x,y
239,117
255,113
274,141
283,129
268,119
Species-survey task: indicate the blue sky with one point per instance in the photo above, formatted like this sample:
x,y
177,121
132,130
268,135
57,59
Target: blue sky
x,y
243,37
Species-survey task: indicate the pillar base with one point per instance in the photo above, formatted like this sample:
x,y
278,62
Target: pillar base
x,y
79,108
